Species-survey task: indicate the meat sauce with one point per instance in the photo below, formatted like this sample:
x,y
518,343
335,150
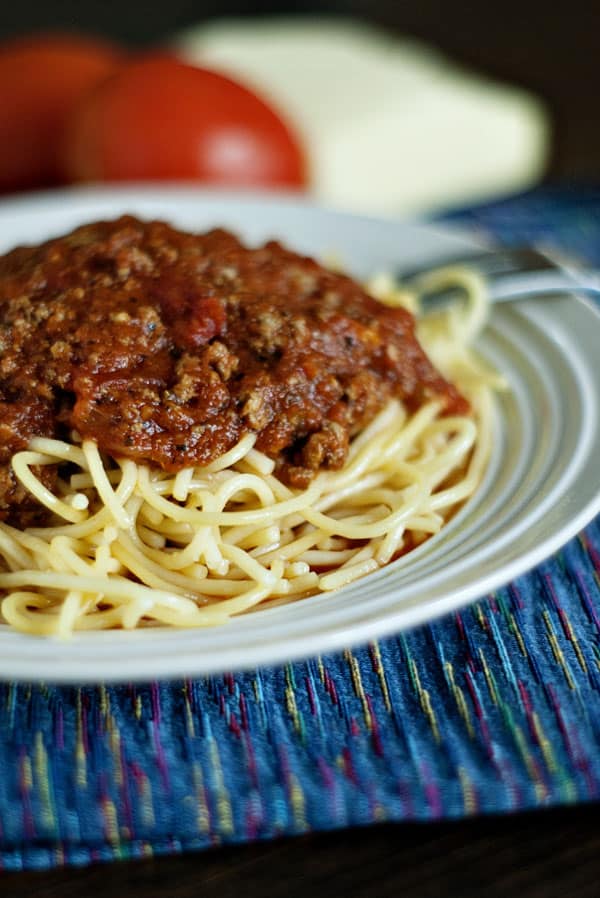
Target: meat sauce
x,y
166,347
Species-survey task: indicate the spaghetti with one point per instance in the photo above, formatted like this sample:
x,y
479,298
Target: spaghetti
x,y
128,544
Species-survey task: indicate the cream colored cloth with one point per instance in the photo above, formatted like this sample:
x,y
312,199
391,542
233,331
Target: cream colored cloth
x,y
391,126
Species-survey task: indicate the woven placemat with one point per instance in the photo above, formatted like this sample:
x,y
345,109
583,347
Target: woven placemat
x,y
493,709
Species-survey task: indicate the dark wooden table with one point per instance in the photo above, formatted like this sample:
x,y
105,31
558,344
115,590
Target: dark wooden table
x,y
552,50
546,854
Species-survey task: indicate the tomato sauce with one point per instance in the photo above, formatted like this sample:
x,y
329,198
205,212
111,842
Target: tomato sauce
x,y
167,347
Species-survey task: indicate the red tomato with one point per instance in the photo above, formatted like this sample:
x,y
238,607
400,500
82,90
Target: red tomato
x,y
41,79
160,119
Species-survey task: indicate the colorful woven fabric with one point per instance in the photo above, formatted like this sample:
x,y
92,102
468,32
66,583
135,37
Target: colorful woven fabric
x,y
493,709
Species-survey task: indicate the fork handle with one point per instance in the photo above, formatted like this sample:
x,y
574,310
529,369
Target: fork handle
x,y
529,283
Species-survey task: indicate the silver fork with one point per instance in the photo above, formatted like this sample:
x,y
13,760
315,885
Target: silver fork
x,y
512,274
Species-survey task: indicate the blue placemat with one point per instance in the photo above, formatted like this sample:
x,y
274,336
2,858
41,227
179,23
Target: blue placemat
x,y
494,709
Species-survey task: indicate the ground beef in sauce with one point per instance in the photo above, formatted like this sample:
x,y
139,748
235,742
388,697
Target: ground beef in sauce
x,y
167,347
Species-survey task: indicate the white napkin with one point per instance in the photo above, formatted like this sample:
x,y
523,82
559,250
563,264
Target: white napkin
x,y
391,126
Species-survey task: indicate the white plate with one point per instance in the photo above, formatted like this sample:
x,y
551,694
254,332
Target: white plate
x,y
542,487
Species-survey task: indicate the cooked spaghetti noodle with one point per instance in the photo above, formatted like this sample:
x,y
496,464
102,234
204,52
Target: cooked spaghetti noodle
x,y
128,544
